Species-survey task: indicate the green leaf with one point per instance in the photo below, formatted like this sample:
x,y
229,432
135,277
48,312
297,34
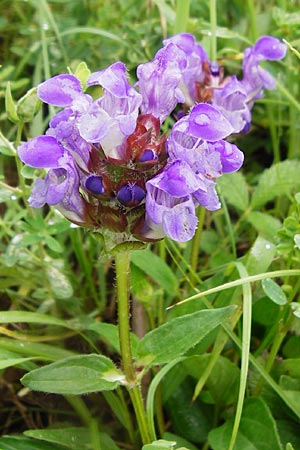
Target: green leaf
x,y
161,444
53,244
82,72
28,105
71,437
110,333
30,317
23,443
60,284
156,268
261,256
10,106
273,291
75,375
234,188
265,224
4,363
183,443
289,433
281,179
34,349
257,429
177,336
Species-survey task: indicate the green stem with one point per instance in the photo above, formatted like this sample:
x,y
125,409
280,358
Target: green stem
x,y
122,261
197,238
213,28
182,16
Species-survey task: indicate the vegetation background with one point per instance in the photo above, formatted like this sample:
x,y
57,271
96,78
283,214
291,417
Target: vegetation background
x,y
57,286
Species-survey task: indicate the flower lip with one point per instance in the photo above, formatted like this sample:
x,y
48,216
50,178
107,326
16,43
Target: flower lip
x,y
130,194
148,155
94,184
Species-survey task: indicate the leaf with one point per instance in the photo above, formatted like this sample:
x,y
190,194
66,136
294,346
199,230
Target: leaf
x,y
10,106
23,443
161,444
30,317
60,284
179,441
281,179
265,224
177,336
261,256
289,432
257,429
71,437
234,188
4,363
34,349
75,375
110,333
53,244
28,105
273,291
156,268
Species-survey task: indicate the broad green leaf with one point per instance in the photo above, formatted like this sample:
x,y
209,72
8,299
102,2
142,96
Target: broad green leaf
x,y
234,188
257,429
161,444
71,437
261,256
177,336
75,375
273,291
281,179
30,317
156,268
289,433
53,244
24,443
180,442
5,194
265,224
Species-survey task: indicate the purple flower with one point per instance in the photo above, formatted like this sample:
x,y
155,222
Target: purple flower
x,y
112,118
197,155
158,81
193,72
61,185
255,78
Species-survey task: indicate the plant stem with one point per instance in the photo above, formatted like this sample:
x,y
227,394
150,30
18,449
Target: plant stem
x,y
182,16
213,28
122,261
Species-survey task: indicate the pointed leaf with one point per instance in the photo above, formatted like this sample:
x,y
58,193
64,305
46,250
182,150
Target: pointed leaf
x,y
10,106
257,429
156,268
177,336
281,179
24,443
75,375
234,188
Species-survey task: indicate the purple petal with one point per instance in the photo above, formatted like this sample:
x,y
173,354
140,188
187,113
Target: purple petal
x,y
207,123
271,48
41,152
60,90
231,156
208,198
180,222
177,179
113,79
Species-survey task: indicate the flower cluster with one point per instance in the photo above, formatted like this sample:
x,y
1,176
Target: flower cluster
x,y
111,169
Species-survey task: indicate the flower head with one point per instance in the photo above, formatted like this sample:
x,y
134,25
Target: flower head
x,y
109,167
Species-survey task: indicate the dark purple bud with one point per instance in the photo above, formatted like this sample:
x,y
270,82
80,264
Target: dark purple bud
x,y
148,155
130,194
214,69
246,127
94,184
